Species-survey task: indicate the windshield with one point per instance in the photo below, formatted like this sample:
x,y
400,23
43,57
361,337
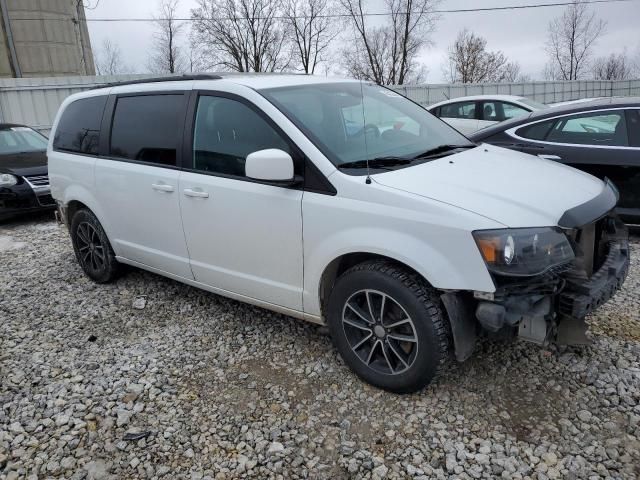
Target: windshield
x,y
533,104
351,122
21,140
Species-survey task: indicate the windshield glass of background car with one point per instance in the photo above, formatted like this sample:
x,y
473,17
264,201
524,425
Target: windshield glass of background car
x,y
353,121
21,140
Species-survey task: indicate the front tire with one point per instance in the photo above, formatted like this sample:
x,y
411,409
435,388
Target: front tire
x,y
92,248
388,326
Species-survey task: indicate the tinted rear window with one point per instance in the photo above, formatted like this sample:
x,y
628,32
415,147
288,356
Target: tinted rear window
x,y
78,130
537,131
147,128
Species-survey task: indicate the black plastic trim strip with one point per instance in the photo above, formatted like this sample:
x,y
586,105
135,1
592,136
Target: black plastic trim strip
x,y
593,210
315,181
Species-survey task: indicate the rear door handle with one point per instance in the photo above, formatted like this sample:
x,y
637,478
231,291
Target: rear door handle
x,y
162,187
555,158
190,192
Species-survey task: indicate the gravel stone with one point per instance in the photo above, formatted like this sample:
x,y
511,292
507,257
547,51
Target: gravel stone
x,y
584,415
224,390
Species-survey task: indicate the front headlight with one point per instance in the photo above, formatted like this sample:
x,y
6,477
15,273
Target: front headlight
x,y
523,251
7,180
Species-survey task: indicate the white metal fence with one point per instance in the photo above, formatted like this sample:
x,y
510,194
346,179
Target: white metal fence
x,y
543,92
35,101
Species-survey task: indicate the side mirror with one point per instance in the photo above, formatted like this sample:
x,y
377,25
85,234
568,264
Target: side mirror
x,y
272,165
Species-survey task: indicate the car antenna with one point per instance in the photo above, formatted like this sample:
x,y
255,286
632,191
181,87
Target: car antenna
x,y
364,135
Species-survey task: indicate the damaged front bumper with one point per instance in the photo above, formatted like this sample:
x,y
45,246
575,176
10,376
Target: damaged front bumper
x,y
548,308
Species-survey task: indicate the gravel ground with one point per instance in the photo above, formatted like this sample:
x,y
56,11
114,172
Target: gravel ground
x,y
148,378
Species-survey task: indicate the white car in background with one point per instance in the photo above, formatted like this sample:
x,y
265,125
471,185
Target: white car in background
x,y
470,114
574,102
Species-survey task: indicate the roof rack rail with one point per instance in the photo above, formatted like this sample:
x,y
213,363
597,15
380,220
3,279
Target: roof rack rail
x,y
177,78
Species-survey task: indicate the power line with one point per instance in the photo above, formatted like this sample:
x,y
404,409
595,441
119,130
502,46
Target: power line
x,y
344,15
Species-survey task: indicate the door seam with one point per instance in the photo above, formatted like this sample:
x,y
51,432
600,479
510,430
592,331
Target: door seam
x,y
184,234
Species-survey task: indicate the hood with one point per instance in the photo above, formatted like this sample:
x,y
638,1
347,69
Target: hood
x,y
509,187
29,163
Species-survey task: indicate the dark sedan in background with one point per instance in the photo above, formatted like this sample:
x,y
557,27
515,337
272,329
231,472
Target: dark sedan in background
x,y
600,137
24,182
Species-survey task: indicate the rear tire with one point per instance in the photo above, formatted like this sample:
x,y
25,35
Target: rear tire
x,y
388,325
92,248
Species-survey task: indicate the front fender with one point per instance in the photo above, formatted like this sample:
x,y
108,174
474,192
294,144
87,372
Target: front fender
x,y
452,264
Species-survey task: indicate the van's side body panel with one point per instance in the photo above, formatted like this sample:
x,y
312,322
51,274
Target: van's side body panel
x,y
145,223
245,237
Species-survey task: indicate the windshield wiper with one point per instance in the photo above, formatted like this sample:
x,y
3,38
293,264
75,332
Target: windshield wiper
x,y
378,162
442,149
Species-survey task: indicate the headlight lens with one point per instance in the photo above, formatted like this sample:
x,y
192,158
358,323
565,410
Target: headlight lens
x,y
523,251
7,180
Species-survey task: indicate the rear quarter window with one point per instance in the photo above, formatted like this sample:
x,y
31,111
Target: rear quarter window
x,y
537,131
78,129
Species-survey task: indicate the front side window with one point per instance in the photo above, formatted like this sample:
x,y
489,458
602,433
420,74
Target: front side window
x,y
459,110
21,140
147,128
352,122
602,128
78,129
225,132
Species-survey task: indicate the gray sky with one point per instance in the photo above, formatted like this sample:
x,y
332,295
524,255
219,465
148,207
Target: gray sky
x,y
520,34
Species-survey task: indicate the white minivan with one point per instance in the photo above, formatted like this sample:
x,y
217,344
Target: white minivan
x,y
339,202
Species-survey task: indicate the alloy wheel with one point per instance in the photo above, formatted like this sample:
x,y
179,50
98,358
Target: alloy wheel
x,y
380,332
92,251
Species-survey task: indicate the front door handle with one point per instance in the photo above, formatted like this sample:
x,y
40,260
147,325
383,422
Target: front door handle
x,y
555,158
162,187
190,192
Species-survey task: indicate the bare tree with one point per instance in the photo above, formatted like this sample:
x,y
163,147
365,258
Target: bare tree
x,y
613,67
571,40
312,31
109,59
388,54
511,72
167,56
469,61
241,35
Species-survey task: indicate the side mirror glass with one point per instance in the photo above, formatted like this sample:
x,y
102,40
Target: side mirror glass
x,y
273,165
